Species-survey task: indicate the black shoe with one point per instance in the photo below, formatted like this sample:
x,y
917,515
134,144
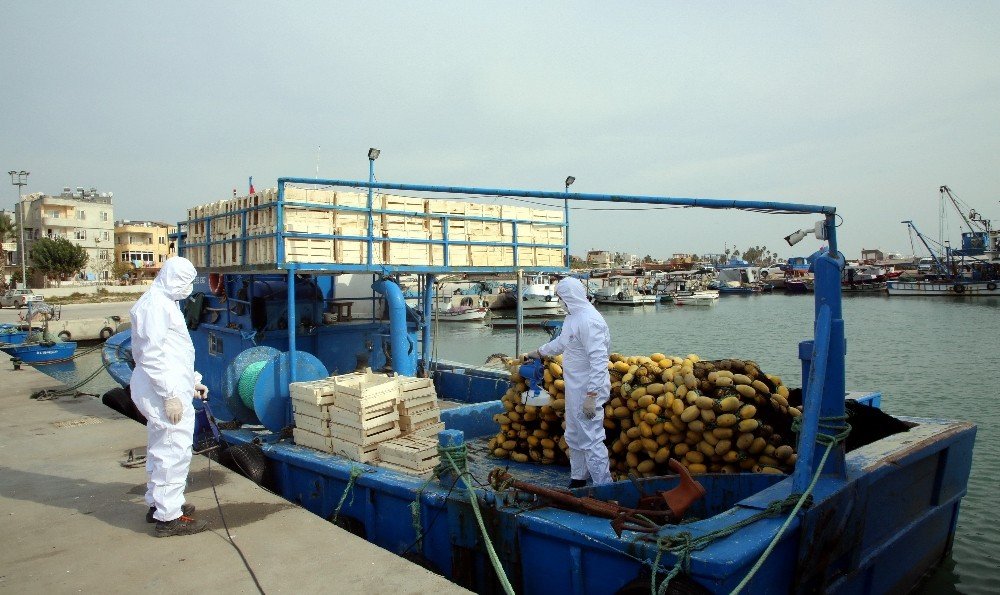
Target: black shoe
x,y
186,510
577,483
182,525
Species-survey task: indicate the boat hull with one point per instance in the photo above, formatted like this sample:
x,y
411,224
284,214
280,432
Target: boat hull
x,y
943,289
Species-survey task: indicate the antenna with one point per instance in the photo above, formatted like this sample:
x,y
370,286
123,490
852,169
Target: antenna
x,y
318,149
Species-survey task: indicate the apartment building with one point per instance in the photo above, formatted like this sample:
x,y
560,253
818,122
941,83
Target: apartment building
x,y
145,244
85,217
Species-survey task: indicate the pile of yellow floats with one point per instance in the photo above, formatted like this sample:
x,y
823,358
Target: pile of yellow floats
x,y
720,416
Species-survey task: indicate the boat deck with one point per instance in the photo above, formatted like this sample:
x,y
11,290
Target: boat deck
x,y
74,517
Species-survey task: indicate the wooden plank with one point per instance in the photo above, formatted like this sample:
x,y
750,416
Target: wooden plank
x,y
310,440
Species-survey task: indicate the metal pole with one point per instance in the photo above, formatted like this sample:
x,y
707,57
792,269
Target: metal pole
x,y
20,182
293,326
520,313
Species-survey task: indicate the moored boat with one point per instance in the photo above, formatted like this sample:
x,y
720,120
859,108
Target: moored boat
x,y
41,352
698,298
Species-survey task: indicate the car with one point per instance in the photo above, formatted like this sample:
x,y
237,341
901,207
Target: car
x,y
18,298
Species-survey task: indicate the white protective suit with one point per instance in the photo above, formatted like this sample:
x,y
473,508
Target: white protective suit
x,y
585,343
164,368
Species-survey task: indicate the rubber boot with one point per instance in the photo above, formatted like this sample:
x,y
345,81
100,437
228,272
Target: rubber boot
x,y
186,510
577,483
182,525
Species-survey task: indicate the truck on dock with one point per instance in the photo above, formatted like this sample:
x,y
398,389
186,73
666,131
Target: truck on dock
x,y
273,298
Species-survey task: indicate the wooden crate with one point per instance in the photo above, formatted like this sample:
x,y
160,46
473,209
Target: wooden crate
x,y
312,424
355,452
315,392
414,421
415,453
356,392
310,440
428,430
307,250
321,196
311,410
408,384
365,437
409,204
399,253
318,221
370,417
492,256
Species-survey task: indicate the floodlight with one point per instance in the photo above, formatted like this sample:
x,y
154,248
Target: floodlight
x,y
373,154
796,237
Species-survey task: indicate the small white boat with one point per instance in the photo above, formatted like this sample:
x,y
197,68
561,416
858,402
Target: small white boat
x,y
465,311
463,314
698,298
622,290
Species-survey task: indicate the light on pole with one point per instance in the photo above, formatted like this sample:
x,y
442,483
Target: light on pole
x,y
20,179
569,182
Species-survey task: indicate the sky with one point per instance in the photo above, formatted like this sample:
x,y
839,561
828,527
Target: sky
x,y
868,107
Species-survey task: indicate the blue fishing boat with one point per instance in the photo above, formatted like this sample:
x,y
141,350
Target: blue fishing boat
x,y
872,520
41,352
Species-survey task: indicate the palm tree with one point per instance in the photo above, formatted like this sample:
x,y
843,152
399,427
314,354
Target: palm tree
x,y
8,233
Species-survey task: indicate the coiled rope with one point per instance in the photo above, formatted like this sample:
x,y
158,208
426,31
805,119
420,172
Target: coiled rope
x,y
248,379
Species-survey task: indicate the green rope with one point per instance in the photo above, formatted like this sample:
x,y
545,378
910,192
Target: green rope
x,y
356,472
494,559
49,393
459,455
683,545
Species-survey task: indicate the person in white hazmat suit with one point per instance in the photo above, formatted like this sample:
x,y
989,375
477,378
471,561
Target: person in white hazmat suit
x,y
163,384
585,343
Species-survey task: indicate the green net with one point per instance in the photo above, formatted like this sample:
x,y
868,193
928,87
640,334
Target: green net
x,y
247,381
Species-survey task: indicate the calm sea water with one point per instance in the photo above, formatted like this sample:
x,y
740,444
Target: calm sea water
x,y
930,357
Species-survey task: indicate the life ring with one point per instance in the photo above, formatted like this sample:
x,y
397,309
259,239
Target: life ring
x,y
621,296
216,284
958,288
106,333
65,335
991,286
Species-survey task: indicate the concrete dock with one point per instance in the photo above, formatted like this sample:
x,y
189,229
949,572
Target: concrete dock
x,y
72,517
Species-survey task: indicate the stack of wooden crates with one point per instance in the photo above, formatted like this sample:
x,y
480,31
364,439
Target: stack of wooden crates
x,y
392,421
409,218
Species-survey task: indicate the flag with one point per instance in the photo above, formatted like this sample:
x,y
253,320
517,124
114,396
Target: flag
x,y
251,185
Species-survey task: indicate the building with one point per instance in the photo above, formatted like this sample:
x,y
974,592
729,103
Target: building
x,y
600,258
872,255
84,217
144,244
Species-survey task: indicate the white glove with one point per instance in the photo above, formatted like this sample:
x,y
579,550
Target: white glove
x,y
174,409
200,391
590,406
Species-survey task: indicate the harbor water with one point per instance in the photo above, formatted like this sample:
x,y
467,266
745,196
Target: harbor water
x,y
930,357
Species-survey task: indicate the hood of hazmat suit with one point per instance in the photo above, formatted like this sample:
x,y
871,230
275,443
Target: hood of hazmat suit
x,y
164,369
585,344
